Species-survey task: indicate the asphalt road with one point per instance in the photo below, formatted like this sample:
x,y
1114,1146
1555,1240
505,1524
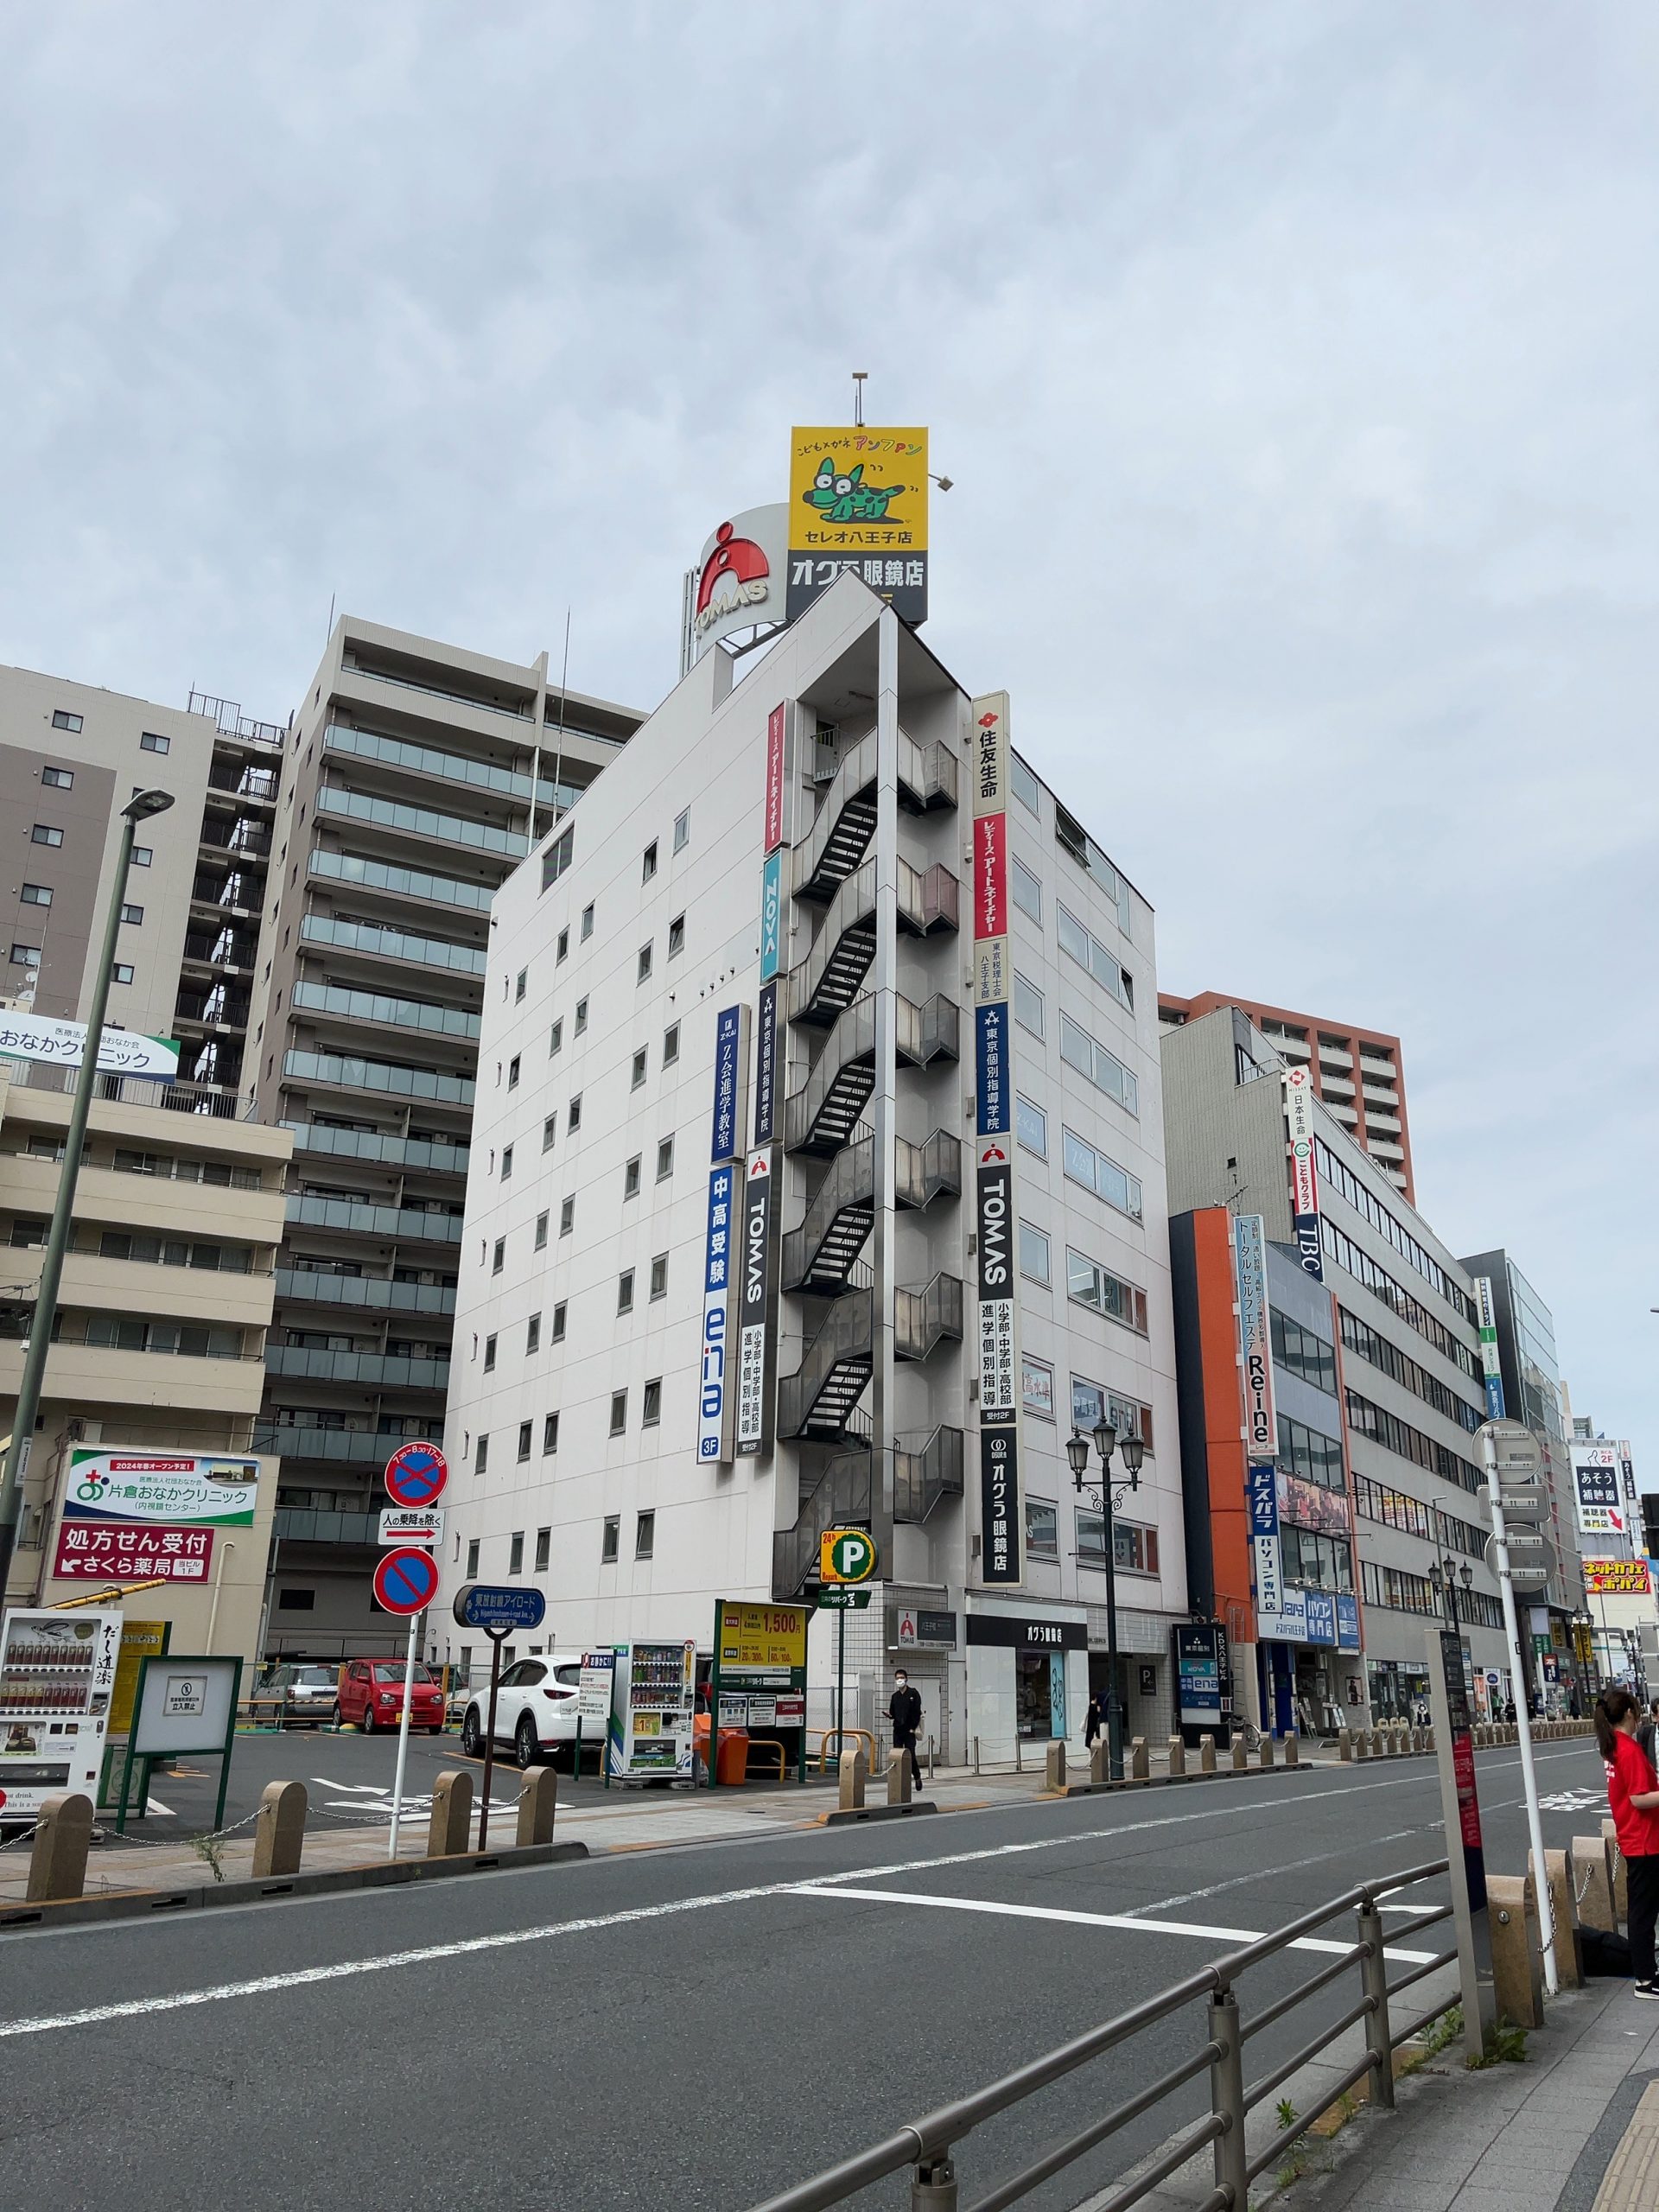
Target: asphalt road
x,y
695,2027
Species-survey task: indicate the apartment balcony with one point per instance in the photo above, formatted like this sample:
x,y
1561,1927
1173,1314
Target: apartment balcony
x,y
378,943
293,1524
244,839
1343,1112
421,821
366,874
216,1009
842,1495
1333,1085
921,1477
820,1117
846,819
378,1371
233,779
356,673
225,950
1387,1149
238,891
341,1073
402,1224
386,1011
353,1447
369,1293
1380,1094
412,1154
1378,1124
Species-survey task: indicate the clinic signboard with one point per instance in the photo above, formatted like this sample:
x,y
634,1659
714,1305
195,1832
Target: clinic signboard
x,y
143,1516
63,1043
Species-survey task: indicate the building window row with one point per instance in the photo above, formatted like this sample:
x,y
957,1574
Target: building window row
x,y
1316,1561
1089,1401
1100,1174
1089,952
1091,1285
1301,1352
1387,1224
644,1537
1396,1435
1398,1509
1387,1357
1396,1591
1346,1253
1303,1451
1074,840
1102,1068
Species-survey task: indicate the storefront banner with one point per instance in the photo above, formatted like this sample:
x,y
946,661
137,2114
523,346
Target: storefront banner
x,y
1347,1621
999,1502
858,503
120,1051
766,1067
1309,1505
1287,1623
714,1388
991,876
115,1551
993,976
1491,1364
1627,1470
1200,1656
1597,1491
731,1080
1319,1610
1256,1344
196,1489
755,1310
1304,1186
772,916
1264,1542
1618,1578
994,1083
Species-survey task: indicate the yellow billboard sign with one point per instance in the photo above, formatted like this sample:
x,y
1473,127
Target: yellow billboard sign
x,y
760,1635
858,502
1618,1578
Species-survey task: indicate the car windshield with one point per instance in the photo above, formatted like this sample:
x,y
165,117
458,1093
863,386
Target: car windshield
x,y
315,1677
571,1675
392,1670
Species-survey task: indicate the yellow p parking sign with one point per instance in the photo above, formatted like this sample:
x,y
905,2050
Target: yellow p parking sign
x,y
846,1555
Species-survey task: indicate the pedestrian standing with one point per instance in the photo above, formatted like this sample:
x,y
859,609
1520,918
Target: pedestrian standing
x,y
904,1711
1633,1798
1092,1721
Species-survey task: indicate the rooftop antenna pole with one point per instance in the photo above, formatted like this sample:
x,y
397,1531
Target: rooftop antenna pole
x,y
564,688
859,376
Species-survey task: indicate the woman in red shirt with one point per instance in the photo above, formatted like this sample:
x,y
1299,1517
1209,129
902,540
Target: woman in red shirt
x,y
1633,1797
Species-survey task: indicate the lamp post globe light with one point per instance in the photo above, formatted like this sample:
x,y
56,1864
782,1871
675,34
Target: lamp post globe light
x,y
1105,1501
139,808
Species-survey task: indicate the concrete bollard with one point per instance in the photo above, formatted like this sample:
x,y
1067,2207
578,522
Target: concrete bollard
x,y
1293,1749
1206,1755
449,1831
899,1777
1558,1888
1362,1743
1054,1770
279,1831
538,1802
1177,1759
1592,1883
1138,1770
1393,1741
1239,1754
1266,1752
1517,1949
852,1777
1344,1745
1620,1873
1100,1761
57,1858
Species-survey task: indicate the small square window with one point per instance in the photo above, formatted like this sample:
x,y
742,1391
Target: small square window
x,y
62,719
489,1355
549,1434
582,1016
1034,1253
151,741
555,1039
471,1560
567,1216
506,1162
625,1291
480,1455
25,956
586,922
549,1130
544,1550
649,869
677,935
639,1068
541,1232
59,779
682,830
610,1539
664,1159
631,1177
651,1411
645,964
526,1429
1027,1005
133,914
562,950
37,894
619,1412
513,1072
516,1552
659,1276
520,982
44,833
121,971
558,1322
573,1116
142,855
670,1043
498,1257
644,1535
1031,1126
532,1335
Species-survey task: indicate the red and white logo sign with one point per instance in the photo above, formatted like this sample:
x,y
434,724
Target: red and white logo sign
x,y
991,875
735,561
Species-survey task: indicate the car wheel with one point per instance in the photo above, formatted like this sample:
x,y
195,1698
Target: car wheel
x,y
368,1716
529,1744
472,1734
437,1729
336,1714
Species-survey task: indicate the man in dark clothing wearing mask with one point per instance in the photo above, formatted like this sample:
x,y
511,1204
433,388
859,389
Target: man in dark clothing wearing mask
x,y
904,1711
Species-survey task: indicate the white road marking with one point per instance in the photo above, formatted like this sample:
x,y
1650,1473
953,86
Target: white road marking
x,y
1124,1920
1280,1866
154,1805
264,1985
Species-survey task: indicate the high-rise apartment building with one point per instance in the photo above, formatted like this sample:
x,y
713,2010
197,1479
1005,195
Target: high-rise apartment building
x,y
1356,1072
757,961
418,777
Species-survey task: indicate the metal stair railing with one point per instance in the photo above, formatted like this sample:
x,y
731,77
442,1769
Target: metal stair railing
x,y
854,779
848,1188
924,1318
851,1045
925,1171
930,899
844,1491
852,910
921,1478
843,1339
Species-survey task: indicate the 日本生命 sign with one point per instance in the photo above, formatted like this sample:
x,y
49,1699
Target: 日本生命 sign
x,y
1304,1182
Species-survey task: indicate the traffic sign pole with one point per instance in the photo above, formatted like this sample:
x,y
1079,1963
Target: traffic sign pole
x,y
402,1737
1491,1438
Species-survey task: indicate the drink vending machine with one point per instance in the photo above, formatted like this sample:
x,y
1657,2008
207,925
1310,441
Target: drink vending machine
x,y
654,1707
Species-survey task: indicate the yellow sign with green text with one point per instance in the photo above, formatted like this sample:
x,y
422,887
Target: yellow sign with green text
x,y
858,502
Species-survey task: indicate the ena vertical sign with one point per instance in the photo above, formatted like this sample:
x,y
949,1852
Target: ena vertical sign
x,y
1000,1504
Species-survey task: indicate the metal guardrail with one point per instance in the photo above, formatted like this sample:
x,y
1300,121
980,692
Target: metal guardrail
x,y
925,2147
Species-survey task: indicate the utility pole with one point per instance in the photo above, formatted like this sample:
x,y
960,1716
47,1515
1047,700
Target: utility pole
x,y
137,808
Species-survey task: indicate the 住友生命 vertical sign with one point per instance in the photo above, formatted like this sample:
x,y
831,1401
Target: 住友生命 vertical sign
x,y
1304,1184
858,502
1001,1507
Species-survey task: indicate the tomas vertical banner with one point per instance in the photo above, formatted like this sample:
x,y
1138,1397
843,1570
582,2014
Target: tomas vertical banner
x,y
1002,1523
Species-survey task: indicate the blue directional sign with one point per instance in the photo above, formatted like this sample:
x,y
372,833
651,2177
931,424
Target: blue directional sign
x,y
498,1611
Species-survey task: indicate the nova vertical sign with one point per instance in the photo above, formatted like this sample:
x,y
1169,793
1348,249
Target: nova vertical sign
x,y
1001,1507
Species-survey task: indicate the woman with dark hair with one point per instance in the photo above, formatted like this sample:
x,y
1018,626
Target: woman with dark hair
x,y
1633,1798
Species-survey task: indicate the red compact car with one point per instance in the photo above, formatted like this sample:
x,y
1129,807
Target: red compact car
x,y
371,1696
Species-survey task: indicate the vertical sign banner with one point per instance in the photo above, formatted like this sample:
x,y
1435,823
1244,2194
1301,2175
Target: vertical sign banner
x,y
776,722
715,1392
1627,1469
1254,1338
731,1080
772,916
1491,1365
766,1067
1265,1549
1597,1491
1304,1189
858,501
1001,1505
754,1309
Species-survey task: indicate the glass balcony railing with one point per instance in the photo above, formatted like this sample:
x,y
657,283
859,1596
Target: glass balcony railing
x,y
369,1144
382,1370
423,821
380,1006
408,1224
353,1074
524,714
294,1525
411,883
357,1446
391,944
375,1294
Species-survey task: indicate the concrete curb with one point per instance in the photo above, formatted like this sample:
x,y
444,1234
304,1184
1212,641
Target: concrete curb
x,y
392,1874
1175,1781
877,1812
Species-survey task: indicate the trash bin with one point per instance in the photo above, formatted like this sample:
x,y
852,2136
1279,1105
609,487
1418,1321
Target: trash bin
x,y
733,1753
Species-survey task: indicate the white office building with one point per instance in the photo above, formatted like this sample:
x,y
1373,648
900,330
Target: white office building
x,y
748,961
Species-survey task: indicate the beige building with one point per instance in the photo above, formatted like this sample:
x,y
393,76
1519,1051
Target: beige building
x,y
162,1315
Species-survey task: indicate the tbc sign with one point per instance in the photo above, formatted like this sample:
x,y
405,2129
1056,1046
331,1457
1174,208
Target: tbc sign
x,y
846,1555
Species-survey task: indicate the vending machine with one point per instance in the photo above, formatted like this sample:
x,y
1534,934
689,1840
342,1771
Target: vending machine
x,y
57,1677
654,1705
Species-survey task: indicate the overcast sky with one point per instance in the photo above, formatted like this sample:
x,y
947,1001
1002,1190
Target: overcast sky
x,y
1295,366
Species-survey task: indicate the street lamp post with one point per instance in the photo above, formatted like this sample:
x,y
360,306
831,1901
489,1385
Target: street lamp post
x,y
1106,1500
138,809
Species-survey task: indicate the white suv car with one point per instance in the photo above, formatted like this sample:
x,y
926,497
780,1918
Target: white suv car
x,y
535,1708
